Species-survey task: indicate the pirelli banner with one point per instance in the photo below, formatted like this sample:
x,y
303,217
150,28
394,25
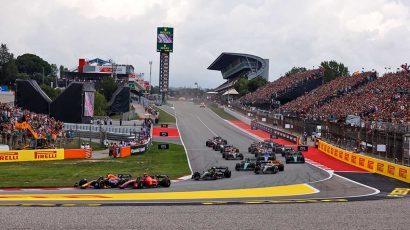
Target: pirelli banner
x,y
31,155
370,164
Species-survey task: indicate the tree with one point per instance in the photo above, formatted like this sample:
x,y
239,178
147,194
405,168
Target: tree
x,y
256,83
32,64
8,68
295,70
333,70
5,55
107,87
242,86
100,104
51,92
9,72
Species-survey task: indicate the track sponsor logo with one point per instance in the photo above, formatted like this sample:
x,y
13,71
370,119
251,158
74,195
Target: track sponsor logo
x,y
370,164
361,161
353,159
45,154
403,173
380,167
9,156
399,192
391,169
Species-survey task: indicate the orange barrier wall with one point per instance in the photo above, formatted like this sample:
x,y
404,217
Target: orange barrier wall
x,y
125,151
74,154
370,164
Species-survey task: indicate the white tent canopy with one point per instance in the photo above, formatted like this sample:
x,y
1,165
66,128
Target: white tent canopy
x,y
231,92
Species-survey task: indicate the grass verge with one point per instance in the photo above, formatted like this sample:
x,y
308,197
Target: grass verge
x,y
171,162
165,117
221,112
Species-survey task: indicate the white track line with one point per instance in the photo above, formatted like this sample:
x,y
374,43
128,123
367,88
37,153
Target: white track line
x,y
182,141
210,130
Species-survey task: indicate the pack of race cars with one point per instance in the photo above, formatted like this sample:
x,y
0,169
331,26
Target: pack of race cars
x,y
123,181
264,152
265,162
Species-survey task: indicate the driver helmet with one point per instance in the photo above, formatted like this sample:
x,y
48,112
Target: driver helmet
x,y
145,174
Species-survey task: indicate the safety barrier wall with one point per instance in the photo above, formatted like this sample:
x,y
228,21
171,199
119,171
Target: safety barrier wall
x,y
31,155
125,151
271,130
370,164
74,154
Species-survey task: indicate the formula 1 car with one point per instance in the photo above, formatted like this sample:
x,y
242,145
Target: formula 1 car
x,y
266,157
215,141
147,181
253,146
246,165
213,173
233,155
284,150
294,157
228,148
269,167
108,181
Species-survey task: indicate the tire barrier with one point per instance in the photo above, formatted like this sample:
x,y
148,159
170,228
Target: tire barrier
x,y
273,131
88,153
370,164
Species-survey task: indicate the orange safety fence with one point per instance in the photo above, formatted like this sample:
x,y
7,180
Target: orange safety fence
x,y
125,151
74,154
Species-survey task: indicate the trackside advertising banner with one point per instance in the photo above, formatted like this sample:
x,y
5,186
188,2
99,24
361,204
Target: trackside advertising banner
x,y
370,164
31,155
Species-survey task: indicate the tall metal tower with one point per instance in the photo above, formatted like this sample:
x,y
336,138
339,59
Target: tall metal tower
x,y
165,43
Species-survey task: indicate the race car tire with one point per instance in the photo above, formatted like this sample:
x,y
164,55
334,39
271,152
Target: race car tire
x,y
196,176
240,156
237,150
237,166
249,150
82,182
166,182
99,185
223,155
227,174
281,167
275,169
257,169
303,160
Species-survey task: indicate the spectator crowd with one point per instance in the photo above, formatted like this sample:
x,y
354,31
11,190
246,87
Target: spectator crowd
x,y
44,126
280,86
324,94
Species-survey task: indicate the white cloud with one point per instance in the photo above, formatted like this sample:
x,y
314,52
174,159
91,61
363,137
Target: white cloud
x,y
369,33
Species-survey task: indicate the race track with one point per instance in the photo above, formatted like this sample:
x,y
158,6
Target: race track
x,y
196,125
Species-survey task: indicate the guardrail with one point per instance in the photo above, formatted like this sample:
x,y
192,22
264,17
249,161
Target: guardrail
x,y
102,128
279,133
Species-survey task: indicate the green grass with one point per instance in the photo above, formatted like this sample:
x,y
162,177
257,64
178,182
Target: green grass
x,y
171,162
165,117
221,112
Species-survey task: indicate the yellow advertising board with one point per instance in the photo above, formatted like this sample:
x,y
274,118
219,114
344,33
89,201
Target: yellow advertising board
x,y
31,155
370,164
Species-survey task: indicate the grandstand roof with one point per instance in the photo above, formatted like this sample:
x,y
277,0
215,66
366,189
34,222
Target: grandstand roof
x,y
226,58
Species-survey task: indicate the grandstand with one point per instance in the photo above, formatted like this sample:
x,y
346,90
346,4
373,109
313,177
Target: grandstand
x,y
326,93
285,89
236,65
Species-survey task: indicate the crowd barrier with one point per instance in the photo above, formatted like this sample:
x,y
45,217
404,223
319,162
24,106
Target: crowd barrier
x,y
31,155
370,164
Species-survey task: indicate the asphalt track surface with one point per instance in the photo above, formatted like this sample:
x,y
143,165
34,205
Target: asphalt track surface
x,y
301,213
196,125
